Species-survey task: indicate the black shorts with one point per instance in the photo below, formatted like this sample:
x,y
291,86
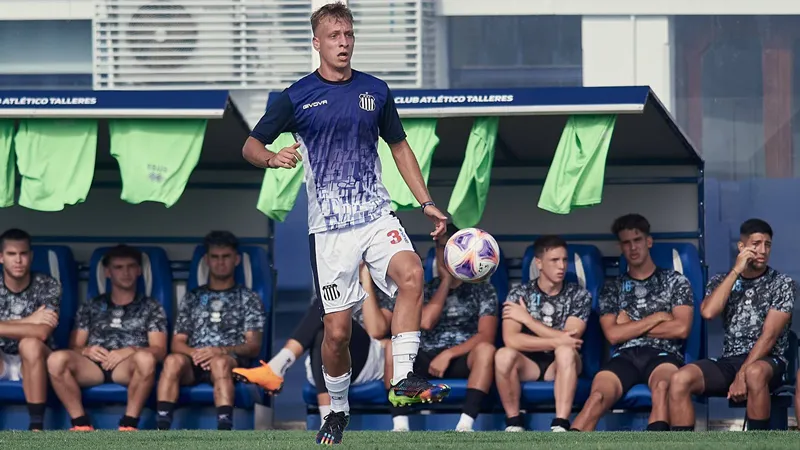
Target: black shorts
x,y
202,376
458,367
635,365
106,373
719,374
542,359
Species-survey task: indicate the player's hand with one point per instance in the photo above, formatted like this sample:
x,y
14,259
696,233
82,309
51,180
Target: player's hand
x,y
286,158
203,356
623,318
42,316
516,311
745,256
95,353
439,365
117,356
568,339
662,316
439,220
738,390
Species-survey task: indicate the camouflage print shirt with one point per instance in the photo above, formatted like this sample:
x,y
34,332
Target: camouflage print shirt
x,y
43,290
746,310
464,306
114,327
573,300
384,302
661,292
219,318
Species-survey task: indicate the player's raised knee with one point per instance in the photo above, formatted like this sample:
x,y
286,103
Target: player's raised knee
x,y
565,356
173,364
57,362
32,348
409,275
145,362
505,358
221,366
485,351
756,375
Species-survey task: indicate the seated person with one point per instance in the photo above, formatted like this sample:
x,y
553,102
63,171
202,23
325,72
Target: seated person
x,y
459,324
370,330
543,321
756,303
219,327
647,314
29,305
119,337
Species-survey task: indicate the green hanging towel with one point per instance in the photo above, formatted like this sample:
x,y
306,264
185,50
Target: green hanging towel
x,y
56,162
575,178
7,157
472,187
280,186
421,137
156,157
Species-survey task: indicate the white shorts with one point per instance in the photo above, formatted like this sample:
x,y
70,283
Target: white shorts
x,y
373,367
11,369
336,254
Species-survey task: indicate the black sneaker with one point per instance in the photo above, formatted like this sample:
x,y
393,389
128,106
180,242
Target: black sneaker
x,y
333,428
415,389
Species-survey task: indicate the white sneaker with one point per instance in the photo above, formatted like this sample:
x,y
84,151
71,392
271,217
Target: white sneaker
x,y
400,428
464,429
558,429
514,429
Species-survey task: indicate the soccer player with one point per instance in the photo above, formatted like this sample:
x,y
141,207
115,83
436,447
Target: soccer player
x,y
756,303
337,115
543,322
459,322
29,305
219,328
119,337
647,314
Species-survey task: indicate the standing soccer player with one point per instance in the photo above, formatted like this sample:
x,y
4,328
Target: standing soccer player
x,y
336,115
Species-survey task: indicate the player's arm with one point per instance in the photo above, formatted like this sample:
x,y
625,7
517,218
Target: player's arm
x,y
617,333
20,329
156,344
432,311
78,339
254,321
487,329
180,344
682,312
719,288
518,312
41,323
513,337
278,118
375,321
251,347
391,130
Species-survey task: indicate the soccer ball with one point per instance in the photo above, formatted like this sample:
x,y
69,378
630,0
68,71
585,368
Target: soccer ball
x,y
471,255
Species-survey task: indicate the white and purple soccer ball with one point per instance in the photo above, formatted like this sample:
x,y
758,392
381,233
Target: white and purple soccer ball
x,y
471,255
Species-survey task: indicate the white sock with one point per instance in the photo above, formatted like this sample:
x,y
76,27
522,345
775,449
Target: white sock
x,y
324,410
404,350
338,389
465,422
281,362
400,423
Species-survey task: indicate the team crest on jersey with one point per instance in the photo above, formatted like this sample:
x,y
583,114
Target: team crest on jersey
x,y
366,102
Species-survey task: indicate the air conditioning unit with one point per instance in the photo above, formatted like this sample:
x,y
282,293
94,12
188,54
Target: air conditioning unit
x,y
197,44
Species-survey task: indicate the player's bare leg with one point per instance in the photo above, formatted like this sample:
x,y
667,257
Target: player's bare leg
x,y
336,370
405,269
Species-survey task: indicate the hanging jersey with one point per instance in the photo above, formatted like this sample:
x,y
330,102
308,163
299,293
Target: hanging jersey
x,y
337,125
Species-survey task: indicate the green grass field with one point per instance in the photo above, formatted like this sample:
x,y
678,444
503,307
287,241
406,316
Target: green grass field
x,y
199,440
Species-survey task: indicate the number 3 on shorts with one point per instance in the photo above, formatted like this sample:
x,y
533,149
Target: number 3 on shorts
x,y
396,237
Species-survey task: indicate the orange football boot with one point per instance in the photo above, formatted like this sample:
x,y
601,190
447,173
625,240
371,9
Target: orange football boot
x,y
262,376
82,428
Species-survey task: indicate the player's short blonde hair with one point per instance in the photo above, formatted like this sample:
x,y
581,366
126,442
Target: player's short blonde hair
x,y
337,11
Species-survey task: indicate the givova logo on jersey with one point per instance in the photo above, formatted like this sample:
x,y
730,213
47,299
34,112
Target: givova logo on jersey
x,y
366,102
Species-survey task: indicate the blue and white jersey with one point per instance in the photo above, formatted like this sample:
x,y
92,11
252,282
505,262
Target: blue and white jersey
x,y
337,125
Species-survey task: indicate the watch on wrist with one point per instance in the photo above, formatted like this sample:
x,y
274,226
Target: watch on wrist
x,y
426,204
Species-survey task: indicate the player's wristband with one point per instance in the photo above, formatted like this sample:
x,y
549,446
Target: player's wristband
x,y
426,204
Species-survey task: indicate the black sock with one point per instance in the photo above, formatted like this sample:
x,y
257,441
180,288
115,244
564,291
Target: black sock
x,y
128,421
689,428
224,417
472,402
36,414
82,421
164,415
515,421
658,426
558,422
755,424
